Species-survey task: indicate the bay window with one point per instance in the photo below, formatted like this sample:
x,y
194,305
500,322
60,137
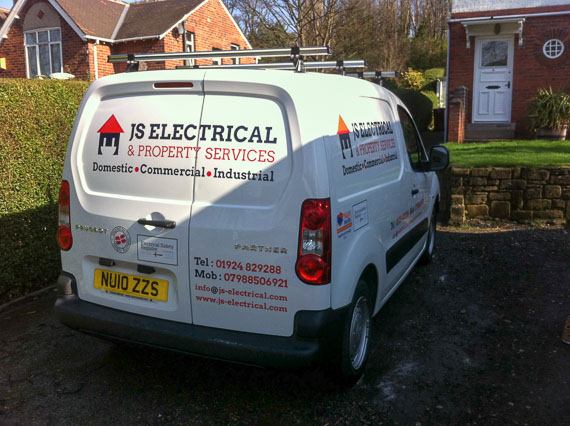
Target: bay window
x,y
43,52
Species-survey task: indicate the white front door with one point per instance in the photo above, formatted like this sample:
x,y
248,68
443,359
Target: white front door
x,y
493,85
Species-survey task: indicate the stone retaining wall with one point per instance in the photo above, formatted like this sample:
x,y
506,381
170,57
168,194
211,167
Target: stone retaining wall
x,y
518,193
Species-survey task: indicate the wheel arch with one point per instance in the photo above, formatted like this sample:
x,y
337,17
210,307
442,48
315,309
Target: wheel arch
x,y
370,277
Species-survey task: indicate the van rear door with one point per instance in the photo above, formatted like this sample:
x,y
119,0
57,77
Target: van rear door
x,y
134,167
244,230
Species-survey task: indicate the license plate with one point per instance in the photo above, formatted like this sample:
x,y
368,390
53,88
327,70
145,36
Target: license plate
x,y
132,285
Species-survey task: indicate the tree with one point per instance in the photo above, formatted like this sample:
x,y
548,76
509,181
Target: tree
x,y
390,34
307,22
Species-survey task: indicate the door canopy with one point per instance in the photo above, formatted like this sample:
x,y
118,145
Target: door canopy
x,y
493,26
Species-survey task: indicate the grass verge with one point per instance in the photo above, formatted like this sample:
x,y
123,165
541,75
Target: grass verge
x,y
523,153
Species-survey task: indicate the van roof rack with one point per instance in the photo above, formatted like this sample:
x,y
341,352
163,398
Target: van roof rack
x,y
296,54
376,75
340,65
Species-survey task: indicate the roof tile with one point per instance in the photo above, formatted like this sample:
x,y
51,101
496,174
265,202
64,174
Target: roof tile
x,y
158,17
100,18
97,18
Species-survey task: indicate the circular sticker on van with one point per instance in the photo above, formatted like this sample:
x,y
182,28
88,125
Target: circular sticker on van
x,y
120,239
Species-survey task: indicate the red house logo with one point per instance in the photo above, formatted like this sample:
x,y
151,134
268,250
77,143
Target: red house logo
x,y
110,134
344,135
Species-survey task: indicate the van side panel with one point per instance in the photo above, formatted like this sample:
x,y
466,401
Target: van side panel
x,y
365,168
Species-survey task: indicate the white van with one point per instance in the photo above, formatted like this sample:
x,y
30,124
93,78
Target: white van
x,y
257,216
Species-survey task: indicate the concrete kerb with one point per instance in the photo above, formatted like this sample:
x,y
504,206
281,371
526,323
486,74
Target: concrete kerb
x,y
24,298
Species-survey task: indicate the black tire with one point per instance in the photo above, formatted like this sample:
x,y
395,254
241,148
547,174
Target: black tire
x,y
429,251
355,340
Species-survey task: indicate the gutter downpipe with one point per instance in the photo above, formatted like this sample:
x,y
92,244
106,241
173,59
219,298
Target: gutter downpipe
x,y
95,61
447,82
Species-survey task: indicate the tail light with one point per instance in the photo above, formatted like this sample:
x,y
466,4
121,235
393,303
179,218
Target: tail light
x,y
64,238
314,255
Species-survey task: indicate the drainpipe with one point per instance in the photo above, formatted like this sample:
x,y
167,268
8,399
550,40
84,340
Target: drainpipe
x,y
95,61
447,83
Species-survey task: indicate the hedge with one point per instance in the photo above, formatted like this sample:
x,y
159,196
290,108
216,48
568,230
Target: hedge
x,y
36,121
420,106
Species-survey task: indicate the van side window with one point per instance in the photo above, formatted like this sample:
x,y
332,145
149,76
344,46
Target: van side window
x,y
414,145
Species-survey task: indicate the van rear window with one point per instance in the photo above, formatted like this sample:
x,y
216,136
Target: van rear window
x,y
143,146
243,149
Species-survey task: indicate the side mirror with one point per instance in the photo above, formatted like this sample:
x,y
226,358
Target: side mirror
x,y
438,158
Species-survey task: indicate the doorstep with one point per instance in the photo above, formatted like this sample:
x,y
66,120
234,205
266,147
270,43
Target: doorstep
x,y
489,131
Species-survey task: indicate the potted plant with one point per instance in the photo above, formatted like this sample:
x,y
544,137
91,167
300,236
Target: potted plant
x,y
550,114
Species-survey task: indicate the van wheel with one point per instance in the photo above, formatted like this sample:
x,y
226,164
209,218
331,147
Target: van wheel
x,y
429,251
355,337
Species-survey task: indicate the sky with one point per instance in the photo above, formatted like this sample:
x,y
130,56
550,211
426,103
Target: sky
x,y
7,4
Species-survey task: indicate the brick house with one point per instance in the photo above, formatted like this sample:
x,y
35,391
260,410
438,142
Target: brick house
x,y
498,59
41,37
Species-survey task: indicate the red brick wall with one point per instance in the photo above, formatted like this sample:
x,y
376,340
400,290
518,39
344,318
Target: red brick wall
x,y
103,66
12,48
141,46
458,101
531,69
461,62
173,42
75,51
213,28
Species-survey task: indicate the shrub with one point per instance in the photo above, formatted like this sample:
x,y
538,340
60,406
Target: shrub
x,y
37,118
420,106
430,78
432,97
549,109
412,80
390,83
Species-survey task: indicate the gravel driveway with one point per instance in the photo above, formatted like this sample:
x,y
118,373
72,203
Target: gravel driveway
x,y
472,338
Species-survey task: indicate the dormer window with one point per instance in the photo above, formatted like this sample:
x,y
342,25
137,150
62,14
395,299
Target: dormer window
x,y
43,52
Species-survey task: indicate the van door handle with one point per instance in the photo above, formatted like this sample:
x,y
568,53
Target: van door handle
x,y
415,191
168,224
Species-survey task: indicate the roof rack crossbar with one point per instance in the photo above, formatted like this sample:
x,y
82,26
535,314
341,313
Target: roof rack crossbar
x,y
308,65
293,52
374,74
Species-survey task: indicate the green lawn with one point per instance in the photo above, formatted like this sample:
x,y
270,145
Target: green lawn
x,y
533,153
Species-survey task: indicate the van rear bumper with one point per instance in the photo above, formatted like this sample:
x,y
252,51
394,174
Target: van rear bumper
x,y
315,332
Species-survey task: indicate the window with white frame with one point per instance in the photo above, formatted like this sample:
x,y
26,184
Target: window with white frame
x,y
553,49
43,52
189,46
234,47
